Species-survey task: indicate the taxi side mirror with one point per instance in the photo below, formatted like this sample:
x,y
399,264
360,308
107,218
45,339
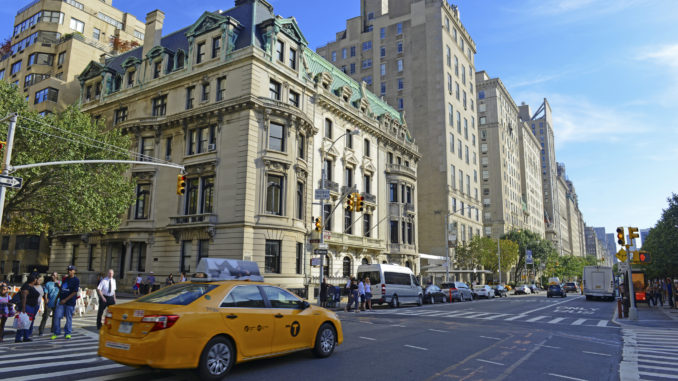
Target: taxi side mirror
x,y
304,304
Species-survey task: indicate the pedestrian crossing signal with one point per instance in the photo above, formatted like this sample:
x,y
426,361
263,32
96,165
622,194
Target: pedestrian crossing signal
x,y
644,257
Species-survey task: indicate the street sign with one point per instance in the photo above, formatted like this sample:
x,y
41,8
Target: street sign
x,y
323,246
321,251
314,240
621,255
315,261
528,257
623,266
322,194
10,181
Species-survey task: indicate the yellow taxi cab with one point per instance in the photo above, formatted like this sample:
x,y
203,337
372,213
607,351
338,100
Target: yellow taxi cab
x,y
225,315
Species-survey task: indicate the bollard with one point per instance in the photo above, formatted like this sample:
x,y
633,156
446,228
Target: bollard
x,y
451,299
619,308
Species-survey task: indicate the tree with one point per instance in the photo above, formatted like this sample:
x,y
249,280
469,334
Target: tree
x,y
662,243
5,46
542,249
69,198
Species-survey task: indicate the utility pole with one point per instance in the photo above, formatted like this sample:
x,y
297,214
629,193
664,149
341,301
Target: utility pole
x,y
6,159
499,257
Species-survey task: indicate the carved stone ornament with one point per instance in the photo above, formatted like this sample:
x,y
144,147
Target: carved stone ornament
x,y
275,166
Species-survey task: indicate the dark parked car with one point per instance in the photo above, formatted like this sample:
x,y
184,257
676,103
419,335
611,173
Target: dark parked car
x,y
556,290
500,291
458,290
433,294
571,287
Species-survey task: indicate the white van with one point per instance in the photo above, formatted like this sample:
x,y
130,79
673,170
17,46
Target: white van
x,y
392,284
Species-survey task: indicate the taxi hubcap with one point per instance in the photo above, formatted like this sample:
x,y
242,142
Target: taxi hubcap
x,y
218,359
327,340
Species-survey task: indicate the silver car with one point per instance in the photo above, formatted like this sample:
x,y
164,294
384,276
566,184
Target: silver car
x,y
458,290
484,291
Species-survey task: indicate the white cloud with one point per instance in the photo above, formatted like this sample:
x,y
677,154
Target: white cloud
x,y
585,8
666,55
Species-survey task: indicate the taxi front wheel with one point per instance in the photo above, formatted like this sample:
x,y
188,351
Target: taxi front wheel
x,y
325,341
217,359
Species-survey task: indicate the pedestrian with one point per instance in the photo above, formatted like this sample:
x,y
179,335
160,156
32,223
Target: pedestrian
x,y
68,293
51,295
347,308
35,273
368,294
6,308
150,280
361,294
183,278
137,285
170,280
38,287
323,293
649,295
30,299
354,293
675,292
669,292
106,290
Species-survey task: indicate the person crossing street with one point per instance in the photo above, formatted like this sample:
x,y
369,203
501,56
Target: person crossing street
x,y
67,297
106,291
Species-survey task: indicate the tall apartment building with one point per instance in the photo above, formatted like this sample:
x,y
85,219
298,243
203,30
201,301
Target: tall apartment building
x,y
51,43
530,176
611,244
54,40
643,235
417,55
240,101
600,233
541,125
571,219
500,157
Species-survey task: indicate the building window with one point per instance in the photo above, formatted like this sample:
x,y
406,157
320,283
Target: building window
x,y
274,195
401,103
367,45
189,97
401,84
400,65
482,120
191,202
301,146
159,105
272,260
90,257
221,88
383,88
96,33
394,232
41,59
120,115
348,222
142,205
203,250
399,28
130,77
276,137
382,33
328,128
352,51
382,51
382,69
367,225
300,256
146,149
343,53
168,148
2,74
280,50
328,169
200,53
157,68
389,157
327,217
352,68
393,192
216,46
367,183
293,58
77,25
366,147
186,251
205,92
294,98
200,139
367,63
300,200
346,267
368,79
334,56
400,47
274,88
349,139
207,195
48,94
16,67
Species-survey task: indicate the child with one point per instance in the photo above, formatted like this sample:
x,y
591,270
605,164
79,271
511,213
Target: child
x,y
6,309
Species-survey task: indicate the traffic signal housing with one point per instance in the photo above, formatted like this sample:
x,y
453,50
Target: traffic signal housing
x,y
359,203
620,236
317,225
181,184
644,257
350,202
633,233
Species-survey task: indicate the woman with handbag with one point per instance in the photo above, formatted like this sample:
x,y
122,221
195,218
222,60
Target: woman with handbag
x,y
30,299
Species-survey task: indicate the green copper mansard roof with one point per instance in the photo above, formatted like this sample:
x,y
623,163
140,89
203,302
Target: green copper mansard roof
x,y
317,64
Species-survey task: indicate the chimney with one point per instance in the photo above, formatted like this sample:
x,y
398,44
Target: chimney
x,y
153,31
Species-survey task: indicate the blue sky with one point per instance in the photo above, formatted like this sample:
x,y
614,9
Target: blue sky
x,y
608,68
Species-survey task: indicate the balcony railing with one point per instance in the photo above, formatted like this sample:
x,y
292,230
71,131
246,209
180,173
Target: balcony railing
x,y
329,184
409,208
193,219
369,197
399,168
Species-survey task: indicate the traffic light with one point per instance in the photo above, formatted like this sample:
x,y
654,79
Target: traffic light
x,y
359,202
181,184
644,257
620,236
633,233
350,202
318,225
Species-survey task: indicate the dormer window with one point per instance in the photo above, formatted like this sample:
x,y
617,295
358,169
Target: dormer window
x,y
157,68
130,78
200,53
216,46
280,50
181,57
293,58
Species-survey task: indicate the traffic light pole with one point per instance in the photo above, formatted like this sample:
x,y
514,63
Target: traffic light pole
x,y
633,311
5,162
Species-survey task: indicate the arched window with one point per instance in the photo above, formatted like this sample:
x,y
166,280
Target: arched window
x,y
181,57
408,264
347,267
365,261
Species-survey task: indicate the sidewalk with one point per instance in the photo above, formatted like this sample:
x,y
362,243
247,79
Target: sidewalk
x,y
656,316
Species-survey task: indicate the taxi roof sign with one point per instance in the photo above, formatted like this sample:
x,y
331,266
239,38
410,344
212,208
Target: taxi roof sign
x,y
213,269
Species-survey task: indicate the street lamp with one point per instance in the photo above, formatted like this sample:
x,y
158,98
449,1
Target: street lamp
x,y
323,179
447,238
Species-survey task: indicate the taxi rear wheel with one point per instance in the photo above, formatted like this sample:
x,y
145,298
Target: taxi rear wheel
x,y
217,359
325,341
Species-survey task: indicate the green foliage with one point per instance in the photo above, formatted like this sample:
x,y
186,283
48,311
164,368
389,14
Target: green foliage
x,y
662,243
542,249
77,198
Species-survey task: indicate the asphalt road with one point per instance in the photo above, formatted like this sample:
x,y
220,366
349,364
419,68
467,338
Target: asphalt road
x,y
516,338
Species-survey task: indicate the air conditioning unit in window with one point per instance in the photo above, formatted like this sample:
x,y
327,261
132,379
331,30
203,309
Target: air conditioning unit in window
x,y
212,147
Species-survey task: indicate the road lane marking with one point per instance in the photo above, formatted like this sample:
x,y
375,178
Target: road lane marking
x,y
602,323
64,373
367,338
596,353
658,375
488,337
550,305
51,351
658,368
556,320
475,316
398,325
566,377
515,317
536,318
436,330
548,346
412,346
579,322
490,362
493,316
655,357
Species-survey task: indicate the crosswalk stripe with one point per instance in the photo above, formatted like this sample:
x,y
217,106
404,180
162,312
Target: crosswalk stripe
x,y
536,318
655,357
18,355
475,316
516,317
658,345
64,373
579,322
493,316
58,363
68,356
556,320
654,361
602,323
662,375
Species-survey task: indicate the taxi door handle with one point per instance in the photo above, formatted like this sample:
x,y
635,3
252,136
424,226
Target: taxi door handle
x,y
278,316
231,316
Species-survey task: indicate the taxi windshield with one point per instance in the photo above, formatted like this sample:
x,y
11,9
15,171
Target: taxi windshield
x,y
179,294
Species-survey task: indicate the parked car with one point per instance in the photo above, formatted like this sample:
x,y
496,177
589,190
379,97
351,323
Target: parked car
x,y
571,287
459,291
556,290
483,291
500,291
534,288
433,294
522,289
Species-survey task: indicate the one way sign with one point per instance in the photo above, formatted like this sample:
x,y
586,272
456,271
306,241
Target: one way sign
x,y
11,182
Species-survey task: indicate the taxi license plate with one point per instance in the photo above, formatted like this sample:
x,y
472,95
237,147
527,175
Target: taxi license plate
x,y
114,345
125,327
